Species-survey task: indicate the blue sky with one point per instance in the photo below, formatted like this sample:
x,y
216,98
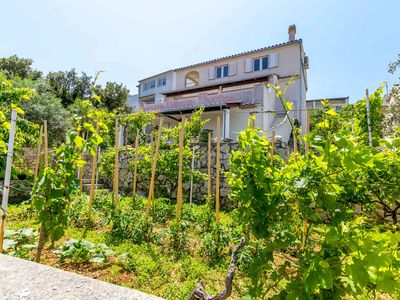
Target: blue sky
x,y
349,43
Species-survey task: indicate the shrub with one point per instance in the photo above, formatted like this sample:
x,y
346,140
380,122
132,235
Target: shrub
x,y
178,237
80,251
214,243
19,242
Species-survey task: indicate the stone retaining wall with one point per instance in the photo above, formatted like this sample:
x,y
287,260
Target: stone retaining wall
x,y
200,163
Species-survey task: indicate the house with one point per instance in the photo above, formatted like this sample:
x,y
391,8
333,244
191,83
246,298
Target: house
x,y
336,103
133,101
234,87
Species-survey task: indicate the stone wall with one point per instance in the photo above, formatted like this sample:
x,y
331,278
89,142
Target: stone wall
x,y
200,163
20,190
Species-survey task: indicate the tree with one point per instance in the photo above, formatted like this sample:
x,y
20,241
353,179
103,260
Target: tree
x,y
14,66
11,97
113,96
69,86
391,121
44,105
393,66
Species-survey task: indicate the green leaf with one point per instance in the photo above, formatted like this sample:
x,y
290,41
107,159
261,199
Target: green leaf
x,y
80,163
78,141
89,127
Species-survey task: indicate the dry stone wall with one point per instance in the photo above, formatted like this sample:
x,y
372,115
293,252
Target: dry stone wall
x,y
200,164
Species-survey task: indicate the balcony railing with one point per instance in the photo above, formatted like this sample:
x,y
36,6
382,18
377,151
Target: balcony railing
x,y
244,96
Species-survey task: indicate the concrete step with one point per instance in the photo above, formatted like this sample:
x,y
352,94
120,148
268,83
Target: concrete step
x,y
23,279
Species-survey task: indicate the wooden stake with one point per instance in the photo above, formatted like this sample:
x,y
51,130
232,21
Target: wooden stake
x,y
218,167
294,142
151,155
153,169
7,176
209,169
253,120
135,163
306,145
40,243
81,168
92,179
303,245
46,145
39,150
179,196
116,168
46,164
272,146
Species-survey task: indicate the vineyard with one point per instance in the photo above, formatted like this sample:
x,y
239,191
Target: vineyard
x,y
322,224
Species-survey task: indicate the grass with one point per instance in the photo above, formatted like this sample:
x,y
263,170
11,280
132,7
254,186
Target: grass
x,y
167,261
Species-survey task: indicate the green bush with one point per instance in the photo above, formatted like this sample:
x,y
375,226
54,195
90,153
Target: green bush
x,y
82,251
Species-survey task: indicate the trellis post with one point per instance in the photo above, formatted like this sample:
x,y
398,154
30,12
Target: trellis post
x,y
218,167
116,167
39,151
179,196
93,178
150,198
272,146
209,169
46,145
135,162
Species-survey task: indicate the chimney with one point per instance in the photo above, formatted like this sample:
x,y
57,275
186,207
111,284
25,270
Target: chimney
x,y
292,33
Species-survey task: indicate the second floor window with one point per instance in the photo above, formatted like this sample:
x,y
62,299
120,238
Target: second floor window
x,y
260,63
222,71
149,85
162,81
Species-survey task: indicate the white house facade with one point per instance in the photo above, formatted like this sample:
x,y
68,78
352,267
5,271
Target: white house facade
x,y
233,88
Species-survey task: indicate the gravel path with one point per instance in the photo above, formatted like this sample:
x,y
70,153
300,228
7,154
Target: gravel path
x,y
22,279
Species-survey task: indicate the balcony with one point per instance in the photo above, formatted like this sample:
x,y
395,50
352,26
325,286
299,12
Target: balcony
x,y
237,97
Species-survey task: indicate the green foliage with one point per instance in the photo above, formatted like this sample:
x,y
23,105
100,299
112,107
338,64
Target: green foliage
x,y
14,66
54,187
44,105
394,66
178,237
11,98
215,243
137,121
83,251
19,242
70,86
391,121
314,245
113,96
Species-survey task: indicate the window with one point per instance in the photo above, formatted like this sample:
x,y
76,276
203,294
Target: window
x,y
162,81
221,71
149,85
260,63
192,79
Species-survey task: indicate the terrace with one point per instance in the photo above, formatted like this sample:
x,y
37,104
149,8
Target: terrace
x,y
245,96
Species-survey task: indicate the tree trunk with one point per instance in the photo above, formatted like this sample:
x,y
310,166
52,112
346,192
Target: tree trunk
x,y
40,243
200,294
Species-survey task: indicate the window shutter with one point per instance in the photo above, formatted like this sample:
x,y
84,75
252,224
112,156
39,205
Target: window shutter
x,y
273,60
232,68
248,65
211,73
